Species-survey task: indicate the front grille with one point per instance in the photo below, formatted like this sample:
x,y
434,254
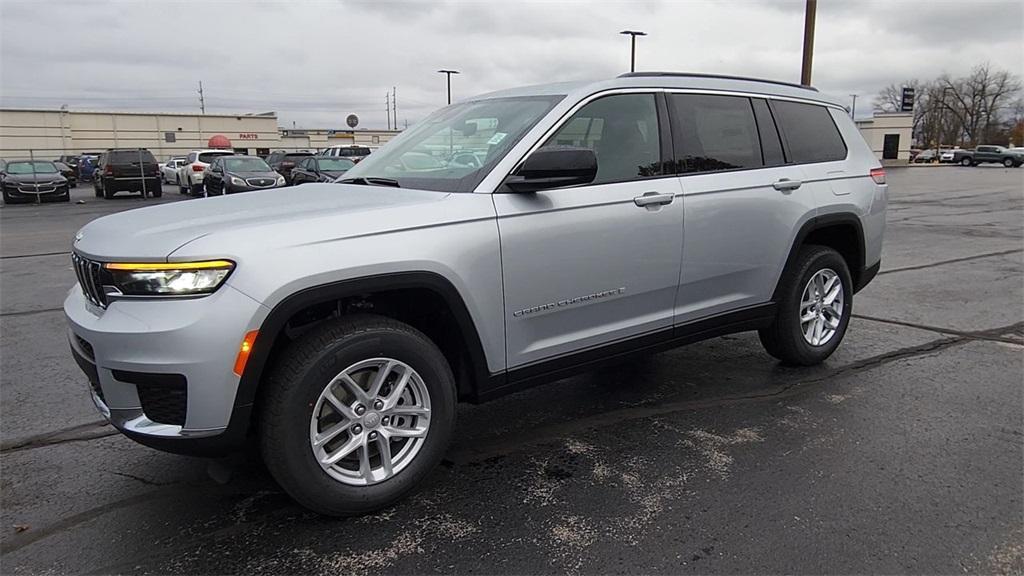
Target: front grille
x,y
164,397
261,182
88,272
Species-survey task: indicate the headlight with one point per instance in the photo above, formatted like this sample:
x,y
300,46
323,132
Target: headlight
x,y
235,181
168,279
280,180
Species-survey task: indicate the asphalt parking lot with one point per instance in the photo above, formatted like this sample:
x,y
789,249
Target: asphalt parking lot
x,y
901,454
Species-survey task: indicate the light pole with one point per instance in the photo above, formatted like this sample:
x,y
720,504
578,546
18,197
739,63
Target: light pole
x,y
632,46
853,109
810,10
449,73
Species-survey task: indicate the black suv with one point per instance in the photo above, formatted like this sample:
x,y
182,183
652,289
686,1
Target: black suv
x,y
127,170
282,162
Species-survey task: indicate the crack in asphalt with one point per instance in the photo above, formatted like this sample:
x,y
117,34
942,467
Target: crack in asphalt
x,y
991,335
76,433
951,261
145,481
39,255
30,312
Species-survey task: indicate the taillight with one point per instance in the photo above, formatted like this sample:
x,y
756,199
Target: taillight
x,y
109,170
878,175
197,168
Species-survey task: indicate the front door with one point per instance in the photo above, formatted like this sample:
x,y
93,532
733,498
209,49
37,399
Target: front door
x,y
890,146
587,265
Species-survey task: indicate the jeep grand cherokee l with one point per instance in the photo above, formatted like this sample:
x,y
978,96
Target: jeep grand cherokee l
x,y
337,325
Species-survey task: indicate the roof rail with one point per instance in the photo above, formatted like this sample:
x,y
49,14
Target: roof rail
x,y
717,76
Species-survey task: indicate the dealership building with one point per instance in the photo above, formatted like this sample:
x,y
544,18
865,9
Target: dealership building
x,y
889,135
52,133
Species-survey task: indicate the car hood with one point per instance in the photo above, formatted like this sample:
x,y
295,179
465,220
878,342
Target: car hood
x,y
336,210
32,178
260,174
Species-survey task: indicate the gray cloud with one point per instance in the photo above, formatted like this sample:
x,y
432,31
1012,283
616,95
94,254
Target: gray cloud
x,y
315,62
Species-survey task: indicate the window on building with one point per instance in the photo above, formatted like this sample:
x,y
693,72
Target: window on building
x,y
810,132
622,130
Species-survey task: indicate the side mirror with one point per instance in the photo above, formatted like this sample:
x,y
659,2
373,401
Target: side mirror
x,y
554,167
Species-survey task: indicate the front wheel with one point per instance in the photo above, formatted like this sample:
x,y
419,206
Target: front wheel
x,y
965,161
814,307
1008,162
356,413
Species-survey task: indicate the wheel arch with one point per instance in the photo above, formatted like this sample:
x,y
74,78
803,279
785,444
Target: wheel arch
x,y
272,331
842,231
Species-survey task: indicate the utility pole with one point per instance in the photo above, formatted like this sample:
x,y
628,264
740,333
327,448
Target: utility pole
x,y
805,69
394,106
202,102
632,46
449,73
853,109
387,107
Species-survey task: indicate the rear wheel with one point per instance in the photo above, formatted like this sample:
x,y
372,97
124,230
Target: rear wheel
x,y
965,161
815,303
108,193
356,414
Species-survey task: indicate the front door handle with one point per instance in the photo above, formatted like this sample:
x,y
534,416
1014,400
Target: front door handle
x,y
787,184
653,198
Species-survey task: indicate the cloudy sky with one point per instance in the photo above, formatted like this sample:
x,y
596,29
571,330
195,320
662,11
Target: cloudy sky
x,y
316,62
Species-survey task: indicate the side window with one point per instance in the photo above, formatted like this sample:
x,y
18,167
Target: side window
x,y
771,145
810,132
622,130
714,133
192,157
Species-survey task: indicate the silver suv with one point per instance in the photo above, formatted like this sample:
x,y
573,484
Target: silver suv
x,y
510,239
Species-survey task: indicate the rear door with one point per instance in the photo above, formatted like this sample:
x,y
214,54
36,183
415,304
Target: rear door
x,y
743,202
587,265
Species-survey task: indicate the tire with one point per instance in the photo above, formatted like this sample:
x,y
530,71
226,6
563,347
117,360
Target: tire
x,y
785,339
1008,162
157,193
182,189
965,162
108,193
195,190
293,394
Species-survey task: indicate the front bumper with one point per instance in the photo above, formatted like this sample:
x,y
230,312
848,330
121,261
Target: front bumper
x,y
149,360
30,192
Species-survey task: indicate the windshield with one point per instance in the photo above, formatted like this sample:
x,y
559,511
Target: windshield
x,y
353,152
335,164
207,157
26,168
245,165
454,148
130,157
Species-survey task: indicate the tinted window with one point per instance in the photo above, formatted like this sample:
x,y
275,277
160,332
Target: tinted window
x,y
295,157
336,164
129,156
622,131
771,145
810,132
714,133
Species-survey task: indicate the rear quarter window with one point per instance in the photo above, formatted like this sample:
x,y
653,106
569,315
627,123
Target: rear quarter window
x,y
810,132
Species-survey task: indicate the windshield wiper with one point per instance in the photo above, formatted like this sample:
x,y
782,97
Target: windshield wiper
x,y
371,181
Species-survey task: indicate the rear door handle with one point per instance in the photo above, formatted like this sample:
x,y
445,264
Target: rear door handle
x,y
787,184
653,198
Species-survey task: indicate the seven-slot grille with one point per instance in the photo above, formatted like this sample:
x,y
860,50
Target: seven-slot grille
x,y
88,273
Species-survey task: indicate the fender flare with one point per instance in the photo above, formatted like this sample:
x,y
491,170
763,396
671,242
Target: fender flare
x,y
817,223
274,323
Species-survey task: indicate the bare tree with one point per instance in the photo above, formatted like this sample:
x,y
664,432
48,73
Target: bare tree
x,y
890,99
978,100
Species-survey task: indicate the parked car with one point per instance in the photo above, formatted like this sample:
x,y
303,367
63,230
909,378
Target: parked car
x,y
353,153
33,181
230,174
348,319
320,169
169,169
988,154
926,157
191,171
68,173
126,170
283,162
70,160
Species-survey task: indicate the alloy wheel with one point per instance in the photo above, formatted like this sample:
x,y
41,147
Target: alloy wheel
x,y
821,307
370,421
